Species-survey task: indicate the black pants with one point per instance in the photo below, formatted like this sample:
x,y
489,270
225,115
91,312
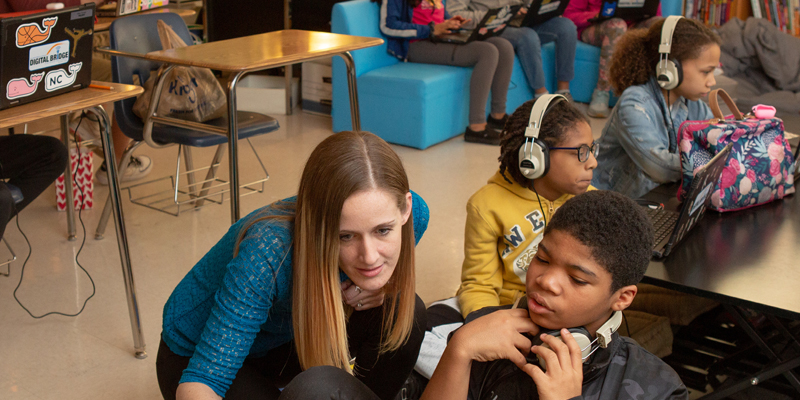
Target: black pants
x,y
30,163
260,377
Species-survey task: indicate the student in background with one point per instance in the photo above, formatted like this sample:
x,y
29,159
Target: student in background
x,y
639,144
315,280
605,35
528,41
411,26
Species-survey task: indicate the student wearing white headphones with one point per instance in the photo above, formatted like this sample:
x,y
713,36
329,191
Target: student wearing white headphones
x,y
662,73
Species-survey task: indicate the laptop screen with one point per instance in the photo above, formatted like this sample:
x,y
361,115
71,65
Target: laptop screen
x,y
45,54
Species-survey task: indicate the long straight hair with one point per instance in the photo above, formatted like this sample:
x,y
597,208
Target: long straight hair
x,y
342,165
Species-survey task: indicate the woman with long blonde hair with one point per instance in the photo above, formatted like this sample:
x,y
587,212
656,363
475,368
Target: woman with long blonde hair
x,y
324,279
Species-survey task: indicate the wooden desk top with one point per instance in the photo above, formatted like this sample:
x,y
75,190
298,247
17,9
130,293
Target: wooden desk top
x,y
747,258
66,103
103,23
267,50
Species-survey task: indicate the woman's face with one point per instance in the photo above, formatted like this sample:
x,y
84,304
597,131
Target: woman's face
x,y
370,236
698,74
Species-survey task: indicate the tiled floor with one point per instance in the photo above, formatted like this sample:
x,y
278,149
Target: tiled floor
x,y
91,356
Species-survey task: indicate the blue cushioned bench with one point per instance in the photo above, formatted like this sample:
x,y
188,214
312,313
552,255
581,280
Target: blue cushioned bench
x,y
419,105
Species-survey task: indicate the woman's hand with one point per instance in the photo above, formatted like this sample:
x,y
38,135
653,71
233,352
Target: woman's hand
x,y
448,25
564,376
361,299
497,336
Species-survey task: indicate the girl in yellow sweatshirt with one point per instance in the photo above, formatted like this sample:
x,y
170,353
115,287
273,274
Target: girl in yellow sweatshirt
x,y
506,217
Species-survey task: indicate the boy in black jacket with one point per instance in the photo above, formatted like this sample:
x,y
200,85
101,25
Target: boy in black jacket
x,y
594,251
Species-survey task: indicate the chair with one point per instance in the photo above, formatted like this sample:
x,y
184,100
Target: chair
x,y
17,196
138,34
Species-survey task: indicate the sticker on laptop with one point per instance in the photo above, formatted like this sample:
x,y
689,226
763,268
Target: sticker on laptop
x,y
701,198
59,78
76,35
548,6
48,55
20,87
31,34
608,9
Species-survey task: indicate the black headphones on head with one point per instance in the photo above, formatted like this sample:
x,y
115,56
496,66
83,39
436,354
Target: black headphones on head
x,y
534,155
669,72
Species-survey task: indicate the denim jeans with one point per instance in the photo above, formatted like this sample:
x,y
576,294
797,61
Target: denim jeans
x,y
528,43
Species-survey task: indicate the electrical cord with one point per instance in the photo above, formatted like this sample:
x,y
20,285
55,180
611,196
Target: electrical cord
x,y
538,198
83,242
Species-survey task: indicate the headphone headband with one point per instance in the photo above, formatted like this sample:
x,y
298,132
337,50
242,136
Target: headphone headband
x,y
537,113
666,33
605,331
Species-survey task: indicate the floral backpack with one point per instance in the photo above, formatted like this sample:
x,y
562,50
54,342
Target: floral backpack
x,y
758,170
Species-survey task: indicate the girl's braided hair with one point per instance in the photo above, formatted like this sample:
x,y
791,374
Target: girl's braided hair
x,y
558,119
636,54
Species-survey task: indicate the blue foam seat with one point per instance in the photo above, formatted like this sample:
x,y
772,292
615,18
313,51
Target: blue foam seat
x,y
419,105
410,104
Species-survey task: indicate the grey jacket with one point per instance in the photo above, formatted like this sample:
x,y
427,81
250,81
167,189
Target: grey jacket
x,y
639,145
623,371
758,52
476,9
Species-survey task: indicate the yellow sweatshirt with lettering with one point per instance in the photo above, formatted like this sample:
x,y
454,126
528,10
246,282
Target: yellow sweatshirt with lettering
x,y
504,227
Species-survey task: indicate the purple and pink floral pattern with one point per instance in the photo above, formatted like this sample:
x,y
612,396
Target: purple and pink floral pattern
x,y
758,170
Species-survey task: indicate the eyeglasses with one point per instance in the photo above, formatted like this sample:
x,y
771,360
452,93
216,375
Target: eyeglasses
x,y
583,150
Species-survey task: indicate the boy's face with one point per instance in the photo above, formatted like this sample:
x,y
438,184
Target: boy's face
x,y
567,174
567,288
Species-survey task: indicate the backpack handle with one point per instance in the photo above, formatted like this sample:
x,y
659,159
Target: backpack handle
x,y
713,103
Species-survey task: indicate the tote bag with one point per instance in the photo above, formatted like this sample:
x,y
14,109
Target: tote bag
x,y
758,170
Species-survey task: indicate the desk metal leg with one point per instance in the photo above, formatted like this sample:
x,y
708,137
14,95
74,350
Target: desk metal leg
x,y
233,146
68,182
778,366
122,238
352,89
287,75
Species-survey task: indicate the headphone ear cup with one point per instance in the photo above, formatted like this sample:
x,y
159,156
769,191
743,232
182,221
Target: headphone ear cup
x,y
678,71
535,162
669,74
582,337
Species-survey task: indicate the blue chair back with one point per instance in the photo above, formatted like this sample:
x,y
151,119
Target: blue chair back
x,y
138,34
671,7
362,18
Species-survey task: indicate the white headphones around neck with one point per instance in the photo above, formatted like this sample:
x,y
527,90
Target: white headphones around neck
x,y
584,338
534,156
669,72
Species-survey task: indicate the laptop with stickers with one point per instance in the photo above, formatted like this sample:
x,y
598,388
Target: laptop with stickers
x,y
45,54
671,227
